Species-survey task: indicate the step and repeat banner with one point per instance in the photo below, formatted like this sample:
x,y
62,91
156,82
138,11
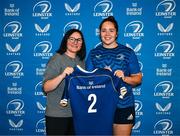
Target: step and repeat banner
x,y
31,32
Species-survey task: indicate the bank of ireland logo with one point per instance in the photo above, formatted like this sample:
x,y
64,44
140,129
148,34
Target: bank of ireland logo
x,y
164,89
103,9
42,30
72,25
41,126
11,10
42,50
134,29
163,126
165,50
15,107
13,50
135,10
13,30
15,126
137,90
42,10
72,10
14,69
166,8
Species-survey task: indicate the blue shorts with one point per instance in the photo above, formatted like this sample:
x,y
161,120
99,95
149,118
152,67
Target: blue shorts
x,y
124,116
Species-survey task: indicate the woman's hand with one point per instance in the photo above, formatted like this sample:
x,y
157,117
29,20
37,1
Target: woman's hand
x,y
120,74
67,71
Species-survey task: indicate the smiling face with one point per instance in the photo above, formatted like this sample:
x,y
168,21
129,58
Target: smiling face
x,y
108,35
74,43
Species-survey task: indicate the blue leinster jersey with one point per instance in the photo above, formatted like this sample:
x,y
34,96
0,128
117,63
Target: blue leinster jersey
x,y
119,58
93,97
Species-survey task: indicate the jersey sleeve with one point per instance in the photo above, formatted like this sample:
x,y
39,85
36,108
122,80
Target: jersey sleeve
x,y
134,64
65,96
89,66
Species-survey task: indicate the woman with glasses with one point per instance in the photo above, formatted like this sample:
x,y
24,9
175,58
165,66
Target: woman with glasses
x,y
72,52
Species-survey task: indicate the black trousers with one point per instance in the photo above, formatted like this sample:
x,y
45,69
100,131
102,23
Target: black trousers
x,y
59,126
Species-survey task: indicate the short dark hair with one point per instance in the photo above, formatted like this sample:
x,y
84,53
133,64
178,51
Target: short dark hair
x,y
110,19
63,47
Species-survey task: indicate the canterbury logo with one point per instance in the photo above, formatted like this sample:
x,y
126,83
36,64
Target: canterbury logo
x,y
42,30
69,9
17,125
137,48
166,108
165,30
15,49
40,107
137,125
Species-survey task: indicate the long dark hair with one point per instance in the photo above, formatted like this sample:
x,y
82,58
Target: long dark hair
x,y
63,47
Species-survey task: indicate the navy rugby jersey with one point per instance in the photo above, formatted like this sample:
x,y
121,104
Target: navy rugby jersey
x,y
93,97
119,58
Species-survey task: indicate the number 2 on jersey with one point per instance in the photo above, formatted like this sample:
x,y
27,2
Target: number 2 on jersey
x,y
93,98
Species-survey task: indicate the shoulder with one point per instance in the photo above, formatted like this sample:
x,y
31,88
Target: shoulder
x,y
125,49
100,47
121,46
56,57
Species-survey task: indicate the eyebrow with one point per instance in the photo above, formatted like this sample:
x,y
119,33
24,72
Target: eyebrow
x,y
75,38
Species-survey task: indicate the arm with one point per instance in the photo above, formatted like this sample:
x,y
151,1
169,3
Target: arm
x,y
133,79
51,84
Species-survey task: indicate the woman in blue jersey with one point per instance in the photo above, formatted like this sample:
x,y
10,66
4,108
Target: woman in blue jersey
x,y
123,62
72,52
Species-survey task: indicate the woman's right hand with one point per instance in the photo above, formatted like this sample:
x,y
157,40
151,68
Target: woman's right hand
x,y
67,71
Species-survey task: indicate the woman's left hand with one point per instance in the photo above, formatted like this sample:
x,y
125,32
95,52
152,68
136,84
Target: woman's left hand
x,y
119,73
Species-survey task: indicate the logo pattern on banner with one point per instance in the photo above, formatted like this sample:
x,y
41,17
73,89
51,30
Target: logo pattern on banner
x,y
31,33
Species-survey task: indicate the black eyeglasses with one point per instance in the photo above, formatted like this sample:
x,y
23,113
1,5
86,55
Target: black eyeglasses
x,y
73,40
